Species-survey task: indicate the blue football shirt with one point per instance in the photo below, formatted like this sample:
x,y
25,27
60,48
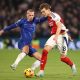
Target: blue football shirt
x,y
27,28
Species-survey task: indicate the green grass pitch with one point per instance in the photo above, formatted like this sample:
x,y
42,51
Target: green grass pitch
x,y
55,69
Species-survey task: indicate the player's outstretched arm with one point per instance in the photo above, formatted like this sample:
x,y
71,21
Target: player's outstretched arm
x,y
40,20
12,26
8,28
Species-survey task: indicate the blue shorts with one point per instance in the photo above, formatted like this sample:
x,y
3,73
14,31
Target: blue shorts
x,y
31,51
23,43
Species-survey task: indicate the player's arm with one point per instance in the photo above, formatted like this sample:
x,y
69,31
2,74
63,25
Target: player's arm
x,y
59,25
69,36
12,26
40,20
8,28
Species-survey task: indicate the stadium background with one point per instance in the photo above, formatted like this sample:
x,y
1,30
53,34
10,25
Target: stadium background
x,y
12,10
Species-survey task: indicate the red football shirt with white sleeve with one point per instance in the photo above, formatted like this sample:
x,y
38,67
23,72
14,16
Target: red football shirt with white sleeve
x,y
52,20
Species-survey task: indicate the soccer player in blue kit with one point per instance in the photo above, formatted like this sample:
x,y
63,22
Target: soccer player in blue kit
x,y
27,28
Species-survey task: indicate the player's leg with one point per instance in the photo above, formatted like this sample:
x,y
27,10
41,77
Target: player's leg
x,y
43,60
62,45
37,55
25,51
48,46
33,52
45,51
69,62
36,64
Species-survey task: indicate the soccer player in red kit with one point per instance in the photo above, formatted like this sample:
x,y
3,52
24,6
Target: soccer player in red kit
x,y
58,37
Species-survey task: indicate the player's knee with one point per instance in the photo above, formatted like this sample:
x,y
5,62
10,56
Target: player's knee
x,y
62,57
47,48
25,49
39,57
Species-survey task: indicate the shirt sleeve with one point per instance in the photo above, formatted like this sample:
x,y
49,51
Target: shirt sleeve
x,y
57,18
40,20
12,26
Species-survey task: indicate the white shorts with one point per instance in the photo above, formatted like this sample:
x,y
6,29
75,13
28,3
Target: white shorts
x,y
62,43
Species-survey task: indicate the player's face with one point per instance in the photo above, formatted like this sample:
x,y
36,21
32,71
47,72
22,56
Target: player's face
x,y
45,12
30,15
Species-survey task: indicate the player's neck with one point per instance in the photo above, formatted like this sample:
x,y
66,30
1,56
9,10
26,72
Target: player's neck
x,y
50,13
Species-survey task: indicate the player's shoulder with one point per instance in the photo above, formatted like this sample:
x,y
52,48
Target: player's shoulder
x,y
36,18
20,20
55,16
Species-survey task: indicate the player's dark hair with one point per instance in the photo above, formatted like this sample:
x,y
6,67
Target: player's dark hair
x,y
44,5
31,10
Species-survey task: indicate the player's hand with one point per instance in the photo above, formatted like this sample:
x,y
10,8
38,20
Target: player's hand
x,y
70,38
1,32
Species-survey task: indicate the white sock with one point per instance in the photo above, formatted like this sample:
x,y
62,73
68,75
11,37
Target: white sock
x,y
35,65
19,58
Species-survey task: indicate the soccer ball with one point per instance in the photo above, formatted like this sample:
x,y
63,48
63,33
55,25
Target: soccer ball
x,y
28,73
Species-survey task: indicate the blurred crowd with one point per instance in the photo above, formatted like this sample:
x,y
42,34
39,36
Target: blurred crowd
x,y
12,10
